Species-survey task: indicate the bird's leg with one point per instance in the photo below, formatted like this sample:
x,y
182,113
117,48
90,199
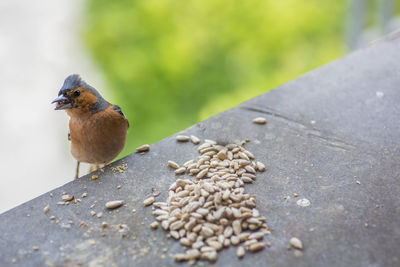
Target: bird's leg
x,y
77,170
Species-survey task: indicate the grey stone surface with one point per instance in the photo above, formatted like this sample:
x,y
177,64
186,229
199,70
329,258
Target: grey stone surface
x,y
332,137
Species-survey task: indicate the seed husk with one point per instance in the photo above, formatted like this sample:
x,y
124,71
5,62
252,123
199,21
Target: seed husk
x,y
260,120
148,201
114,204
295,242
143,148
182,138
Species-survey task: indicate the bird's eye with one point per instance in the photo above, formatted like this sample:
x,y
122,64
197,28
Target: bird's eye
x,y
77,93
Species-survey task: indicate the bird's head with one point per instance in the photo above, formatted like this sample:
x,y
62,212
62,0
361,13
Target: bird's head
x,y
77,94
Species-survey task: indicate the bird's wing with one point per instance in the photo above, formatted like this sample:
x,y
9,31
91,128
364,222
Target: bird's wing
x,y
119,110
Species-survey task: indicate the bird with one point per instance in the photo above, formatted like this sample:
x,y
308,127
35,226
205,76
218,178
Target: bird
x,y
97,128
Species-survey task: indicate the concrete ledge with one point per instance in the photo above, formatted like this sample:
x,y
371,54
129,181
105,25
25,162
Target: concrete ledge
x,y
332,137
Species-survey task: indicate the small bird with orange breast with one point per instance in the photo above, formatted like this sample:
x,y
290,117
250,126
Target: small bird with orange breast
x,y
97,129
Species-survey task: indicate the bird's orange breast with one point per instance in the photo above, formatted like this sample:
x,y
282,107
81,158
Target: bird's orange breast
x,y
99,137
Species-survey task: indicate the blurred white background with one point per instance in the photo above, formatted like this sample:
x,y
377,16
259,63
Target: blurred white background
x,y
39,47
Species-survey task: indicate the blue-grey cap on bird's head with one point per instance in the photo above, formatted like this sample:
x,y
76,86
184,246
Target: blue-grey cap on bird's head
x,y
72,82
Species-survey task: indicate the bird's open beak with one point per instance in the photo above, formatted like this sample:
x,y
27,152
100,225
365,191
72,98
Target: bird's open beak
x,y
62,102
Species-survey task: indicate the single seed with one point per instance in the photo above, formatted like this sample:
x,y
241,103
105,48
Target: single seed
x,y
257,235
249,154
67,197
143,148
222,155
237,227
114,204
154,225
210,256
240,252
188,163
260,166
202,174
148,201
182,138
203,146
206,231
185,241
249,169
256,247
46,209
181,170
84,195
303,202
175,234
165,225
295,242
260,120
104,224
173,164
215,244
227,242
180,257
195,140
228,231
176,225
246,179
235,240
193,254
243,156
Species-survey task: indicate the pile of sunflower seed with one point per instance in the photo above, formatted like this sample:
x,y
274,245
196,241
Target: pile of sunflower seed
x,y
211,211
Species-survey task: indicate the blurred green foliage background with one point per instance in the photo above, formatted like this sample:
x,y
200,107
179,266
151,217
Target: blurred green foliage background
x,y
170,64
